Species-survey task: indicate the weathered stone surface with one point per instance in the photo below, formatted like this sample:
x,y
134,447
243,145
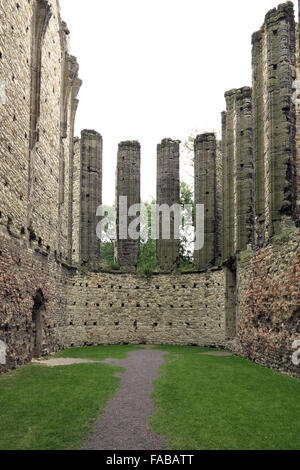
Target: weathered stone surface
x,y
269,305
128,184
274,72
90,197
238,171
50,187
168,192
23,273
206,194
167,309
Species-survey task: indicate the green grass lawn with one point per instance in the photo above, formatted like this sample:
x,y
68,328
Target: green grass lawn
x,y
202,402
45,408
206,402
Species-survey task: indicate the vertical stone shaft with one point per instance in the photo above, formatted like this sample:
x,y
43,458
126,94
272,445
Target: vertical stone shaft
x,y
259,104
274,63
205,193
91,196
168,193
244,170
228,175
238,164
225,181
128,185
219,196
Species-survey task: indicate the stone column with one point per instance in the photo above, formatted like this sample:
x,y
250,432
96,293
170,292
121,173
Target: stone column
x,y
244,170
168,192
225,184
91,196
228,178
128,184
274,65
205,193
239,165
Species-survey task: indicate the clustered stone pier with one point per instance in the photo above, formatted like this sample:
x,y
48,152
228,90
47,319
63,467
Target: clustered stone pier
x,y
244,293
206,193
128,184
168,192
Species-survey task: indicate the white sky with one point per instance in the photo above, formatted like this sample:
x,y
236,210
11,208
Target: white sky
x,y
158,68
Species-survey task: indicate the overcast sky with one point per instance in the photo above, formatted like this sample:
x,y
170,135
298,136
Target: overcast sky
x,y
158,68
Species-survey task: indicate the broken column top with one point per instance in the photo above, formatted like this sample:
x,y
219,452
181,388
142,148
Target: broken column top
x,y
90,132
242,92
168,142
130,143
206,137
283,11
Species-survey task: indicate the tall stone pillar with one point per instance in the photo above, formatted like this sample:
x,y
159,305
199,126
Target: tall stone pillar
x,y
168,193
240,174
228,178
205,193
274,63
128,184
91,196
225,184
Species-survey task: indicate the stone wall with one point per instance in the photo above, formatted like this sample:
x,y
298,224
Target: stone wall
x,y
179,309
36,148
25,272
76,197
50,187
269,304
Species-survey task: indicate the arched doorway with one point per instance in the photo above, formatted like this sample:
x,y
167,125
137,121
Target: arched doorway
x,y
37,322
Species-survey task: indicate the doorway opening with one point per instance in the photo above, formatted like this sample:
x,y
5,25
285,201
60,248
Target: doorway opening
x,y
37,320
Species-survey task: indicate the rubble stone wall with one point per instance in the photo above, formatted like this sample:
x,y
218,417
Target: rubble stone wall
x,y
268,315
183,309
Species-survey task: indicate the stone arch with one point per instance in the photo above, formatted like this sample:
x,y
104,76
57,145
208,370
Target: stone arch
x,y
37,322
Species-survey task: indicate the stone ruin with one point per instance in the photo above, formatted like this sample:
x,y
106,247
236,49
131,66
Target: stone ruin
x,y
244,294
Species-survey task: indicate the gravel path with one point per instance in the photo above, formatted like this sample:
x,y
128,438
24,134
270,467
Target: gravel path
x,y
124,423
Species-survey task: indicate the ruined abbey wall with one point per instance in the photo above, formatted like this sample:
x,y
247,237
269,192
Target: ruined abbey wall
x,y
244,293
269,303
186,309
41,84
